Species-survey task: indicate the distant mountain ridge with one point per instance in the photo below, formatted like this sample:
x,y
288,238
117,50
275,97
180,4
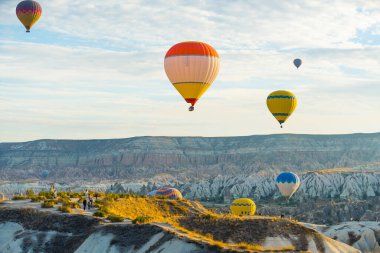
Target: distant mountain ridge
x,y
185,157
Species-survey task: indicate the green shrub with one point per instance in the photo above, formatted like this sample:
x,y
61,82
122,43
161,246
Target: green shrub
x,y
65,209
74,205
208,216
63,195
18,197
35,199
97,205
47,204
99,214
75,194
141,219
46,195
63,200
71,204
115,218
112,196
29,193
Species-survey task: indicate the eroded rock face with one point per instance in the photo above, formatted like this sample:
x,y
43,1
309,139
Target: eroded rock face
x,y
314,185
29,230
364,236
194,157
322,197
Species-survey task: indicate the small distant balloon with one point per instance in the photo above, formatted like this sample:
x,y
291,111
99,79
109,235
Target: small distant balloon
x,y
297,62
44,174
28,12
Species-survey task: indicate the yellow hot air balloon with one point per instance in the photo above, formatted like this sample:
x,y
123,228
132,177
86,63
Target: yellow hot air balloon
x,y
243,206
28,12
191,67
281,104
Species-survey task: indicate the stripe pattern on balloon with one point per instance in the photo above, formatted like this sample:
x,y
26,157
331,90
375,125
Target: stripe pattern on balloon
x,y
288,183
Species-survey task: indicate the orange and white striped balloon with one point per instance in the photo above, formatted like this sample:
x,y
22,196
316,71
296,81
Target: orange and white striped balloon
x,y
192,67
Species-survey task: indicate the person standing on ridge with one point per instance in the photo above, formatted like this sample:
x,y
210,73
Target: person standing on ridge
x,y
91,202
84,204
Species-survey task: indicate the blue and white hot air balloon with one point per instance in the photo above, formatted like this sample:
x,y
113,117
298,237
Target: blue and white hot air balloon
x,y
287,183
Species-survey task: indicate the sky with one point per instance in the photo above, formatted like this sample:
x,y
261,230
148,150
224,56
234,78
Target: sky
x,y
94,69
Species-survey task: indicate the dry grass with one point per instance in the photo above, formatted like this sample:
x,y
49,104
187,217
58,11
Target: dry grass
x,y
335,170
208,238
65,209
202,225
19,197
155,210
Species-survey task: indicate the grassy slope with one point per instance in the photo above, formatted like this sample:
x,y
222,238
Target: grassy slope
x,y
225,231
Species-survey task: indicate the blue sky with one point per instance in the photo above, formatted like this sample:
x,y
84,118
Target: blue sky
x,y
94,69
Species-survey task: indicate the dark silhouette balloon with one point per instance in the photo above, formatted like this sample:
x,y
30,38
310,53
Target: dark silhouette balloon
x,y
297,62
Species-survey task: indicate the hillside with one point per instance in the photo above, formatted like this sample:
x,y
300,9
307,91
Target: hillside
x,y
184,157
174,226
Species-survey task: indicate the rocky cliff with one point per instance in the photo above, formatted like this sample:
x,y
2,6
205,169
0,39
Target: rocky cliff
x,y
364,236
184,157
349,184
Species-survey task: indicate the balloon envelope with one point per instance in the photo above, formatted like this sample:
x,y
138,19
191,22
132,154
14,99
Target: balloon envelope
x,y
28,12
44,173
191,67
168,192
281,104
287,183
243,206
297,62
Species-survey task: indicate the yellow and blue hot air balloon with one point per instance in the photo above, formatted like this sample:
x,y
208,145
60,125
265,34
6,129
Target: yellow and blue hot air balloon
x,y
287,183
168,192
281,104
28,12
192,67
243,206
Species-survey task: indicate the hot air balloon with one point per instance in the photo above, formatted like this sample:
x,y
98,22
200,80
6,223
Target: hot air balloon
x,y
287,183
297,62
243,206
168,192
281,104
44,174
28,12
191,67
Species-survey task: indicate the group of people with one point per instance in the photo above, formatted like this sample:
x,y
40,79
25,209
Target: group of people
x,y
88,201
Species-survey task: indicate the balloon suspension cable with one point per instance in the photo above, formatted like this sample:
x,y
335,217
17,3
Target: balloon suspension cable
x,y
191,108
